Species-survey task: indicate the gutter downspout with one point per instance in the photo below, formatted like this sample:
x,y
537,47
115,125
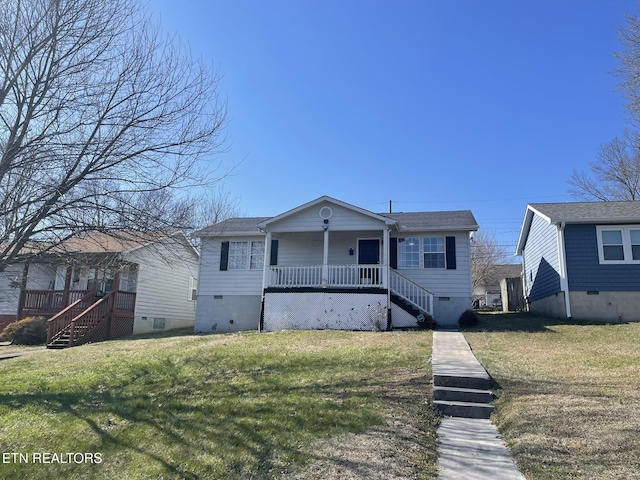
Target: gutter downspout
x,y
562,260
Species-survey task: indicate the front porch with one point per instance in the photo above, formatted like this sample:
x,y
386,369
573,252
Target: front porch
x,y
327,265
347,297
101,309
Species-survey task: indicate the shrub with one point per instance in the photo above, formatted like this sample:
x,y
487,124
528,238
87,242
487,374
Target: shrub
x,y
468,318
427,322
28,331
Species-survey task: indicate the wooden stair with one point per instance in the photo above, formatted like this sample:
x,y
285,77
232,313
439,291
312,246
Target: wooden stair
x,y
92,320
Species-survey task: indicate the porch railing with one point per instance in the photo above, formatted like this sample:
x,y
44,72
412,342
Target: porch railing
x,y
411,292
47,302
341,276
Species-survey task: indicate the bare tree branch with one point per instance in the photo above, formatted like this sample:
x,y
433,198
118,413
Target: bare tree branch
x,y
486,257
105,123
615,174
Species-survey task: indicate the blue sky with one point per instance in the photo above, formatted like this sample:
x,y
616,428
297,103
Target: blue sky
x,y
484,105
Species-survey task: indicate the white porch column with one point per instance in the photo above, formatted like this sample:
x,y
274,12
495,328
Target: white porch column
x,y
325,258
267,258
385,258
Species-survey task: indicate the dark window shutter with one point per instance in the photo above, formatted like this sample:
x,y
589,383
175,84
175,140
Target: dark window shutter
x,y
451,253
393,253
274,252
224,256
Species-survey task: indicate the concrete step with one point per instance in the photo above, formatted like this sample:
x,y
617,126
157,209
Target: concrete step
x,y
464,409
454,394
461,381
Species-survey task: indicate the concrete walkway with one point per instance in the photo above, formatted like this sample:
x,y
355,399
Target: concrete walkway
x,y
6,356
468,448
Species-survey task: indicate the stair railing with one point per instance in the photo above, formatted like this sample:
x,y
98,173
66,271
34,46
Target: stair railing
x,y
61,321
90,318
411,292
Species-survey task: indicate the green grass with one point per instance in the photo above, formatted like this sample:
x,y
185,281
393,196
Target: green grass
x,y
217,406
569,394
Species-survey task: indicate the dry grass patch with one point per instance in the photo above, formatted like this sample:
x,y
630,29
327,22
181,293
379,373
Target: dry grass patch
x,y
569,397
236,406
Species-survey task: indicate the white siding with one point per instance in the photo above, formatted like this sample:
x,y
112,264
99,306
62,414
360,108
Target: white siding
x,y
164,277
41,277
307,248
212,281
9,295
308,220
440,281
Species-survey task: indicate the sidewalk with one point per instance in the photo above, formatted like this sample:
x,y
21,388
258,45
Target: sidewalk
x,y
468,448
6,356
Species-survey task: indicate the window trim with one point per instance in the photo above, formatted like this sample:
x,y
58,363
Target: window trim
x,y
247,256
443,252
626,244
193,289
402,240
449,263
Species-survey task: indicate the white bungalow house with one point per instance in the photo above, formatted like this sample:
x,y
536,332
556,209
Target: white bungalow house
x,y
327,264
95,286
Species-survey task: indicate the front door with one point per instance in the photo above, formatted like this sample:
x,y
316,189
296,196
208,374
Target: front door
x,y
369,251
369,254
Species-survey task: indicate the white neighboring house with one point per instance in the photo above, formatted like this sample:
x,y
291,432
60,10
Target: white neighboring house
x,y
327,264
147,280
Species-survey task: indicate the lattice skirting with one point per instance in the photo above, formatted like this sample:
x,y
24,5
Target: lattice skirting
x,y
324,311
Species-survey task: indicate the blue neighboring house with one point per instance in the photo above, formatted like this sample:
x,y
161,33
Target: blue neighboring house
x,y
582,260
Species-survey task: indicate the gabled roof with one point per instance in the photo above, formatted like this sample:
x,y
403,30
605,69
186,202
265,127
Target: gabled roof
x,y
93,243
325,199
578,212
235,226
453,220
460,220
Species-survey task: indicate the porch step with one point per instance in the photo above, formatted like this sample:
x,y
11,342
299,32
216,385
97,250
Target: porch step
x,y
60,342
406,306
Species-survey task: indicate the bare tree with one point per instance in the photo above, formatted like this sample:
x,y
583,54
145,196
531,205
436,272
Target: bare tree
x,y
615,174
106,123
486,257
629,67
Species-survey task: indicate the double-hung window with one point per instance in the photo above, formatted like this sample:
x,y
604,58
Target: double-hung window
x,y
422,252
246,255
434,252
409,252
618,244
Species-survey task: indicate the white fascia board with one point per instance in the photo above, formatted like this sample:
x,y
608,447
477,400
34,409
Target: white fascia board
x,y
526,226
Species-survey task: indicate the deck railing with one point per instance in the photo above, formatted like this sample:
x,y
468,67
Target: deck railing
x,y
410,291
340,276
47,302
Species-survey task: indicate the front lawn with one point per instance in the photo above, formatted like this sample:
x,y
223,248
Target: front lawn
x,y
569,397
250,406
